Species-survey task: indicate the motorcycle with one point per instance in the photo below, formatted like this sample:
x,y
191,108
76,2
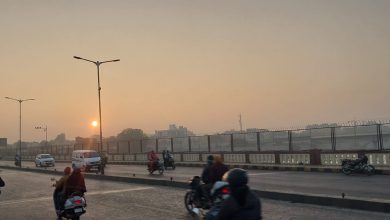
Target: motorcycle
x,y
74,205
198,205
357,166
169,161
159,166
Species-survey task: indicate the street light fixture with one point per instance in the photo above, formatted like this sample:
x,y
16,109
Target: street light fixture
x,y
20,125
98,63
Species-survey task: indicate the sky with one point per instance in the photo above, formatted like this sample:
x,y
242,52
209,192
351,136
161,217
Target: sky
x,y
280,64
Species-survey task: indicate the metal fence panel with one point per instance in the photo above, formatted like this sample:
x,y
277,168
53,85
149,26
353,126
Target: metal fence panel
x,y
135,146
220,142
386,136
199,143
164,144
245,142
321,138
274,140
366,137
180,144
148,145
301,140
123,147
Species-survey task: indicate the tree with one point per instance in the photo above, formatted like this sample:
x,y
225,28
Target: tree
x,y
130,134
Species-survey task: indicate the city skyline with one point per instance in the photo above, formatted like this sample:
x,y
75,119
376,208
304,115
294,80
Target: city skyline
x,y
199,64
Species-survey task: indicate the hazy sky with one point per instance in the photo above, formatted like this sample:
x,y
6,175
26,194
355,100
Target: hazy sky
x,y
194,63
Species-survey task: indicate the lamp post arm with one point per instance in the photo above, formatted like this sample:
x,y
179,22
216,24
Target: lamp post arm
x,y
80,58
108,61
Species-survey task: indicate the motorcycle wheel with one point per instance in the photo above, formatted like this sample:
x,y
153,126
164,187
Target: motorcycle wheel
x,y
346,171
161,170
370,170
188,202
173,165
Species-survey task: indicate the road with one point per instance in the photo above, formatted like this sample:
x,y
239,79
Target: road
x,y
28,196
354,186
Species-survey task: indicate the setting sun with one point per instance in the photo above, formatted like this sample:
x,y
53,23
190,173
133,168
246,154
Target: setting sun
x,y
94,123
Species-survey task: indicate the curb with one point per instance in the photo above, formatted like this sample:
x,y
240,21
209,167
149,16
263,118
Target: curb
x,y
332,201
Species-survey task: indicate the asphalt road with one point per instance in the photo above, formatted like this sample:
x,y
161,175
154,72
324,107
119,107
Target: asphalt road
x,y
374,187
29,196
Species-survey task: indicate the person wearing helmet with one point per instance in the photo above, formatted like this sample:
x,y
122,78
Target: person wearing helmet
x,y
242,202
58,194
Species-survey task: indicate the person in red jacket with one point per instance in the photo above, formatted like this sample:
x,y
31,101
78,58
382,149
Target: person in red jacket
x,y
152,158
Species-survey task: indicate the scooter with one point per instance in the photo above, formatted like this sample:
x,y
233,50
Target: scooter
x,y
74,206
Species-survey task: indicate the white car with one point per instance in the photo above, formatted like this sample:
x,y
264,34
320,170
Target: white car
x,y
44,160
86,160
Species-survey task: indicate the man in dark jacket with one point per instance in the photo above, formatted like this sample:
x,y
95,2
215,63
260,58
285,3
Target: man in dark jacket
x,y
242,203
217,169
205,188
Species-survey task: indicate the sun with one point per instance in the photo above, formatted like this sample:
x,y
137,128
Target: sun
x,y
94,123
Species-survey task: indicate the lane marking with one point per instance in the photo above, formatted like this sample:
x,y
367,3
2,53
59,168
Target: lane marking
x,y
259,174
19,201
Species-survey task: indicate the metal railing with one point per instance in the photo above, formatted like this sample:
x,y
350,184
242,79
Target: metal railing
x,y
374,137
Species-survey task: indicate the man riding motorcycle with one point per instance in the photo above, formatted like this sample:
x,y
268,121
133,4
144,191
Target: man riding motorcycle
x,y
242,203
58,194
217,170
204,189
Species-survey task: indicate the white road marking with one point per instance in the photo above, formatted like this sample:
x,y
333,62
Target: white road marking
x,y
259,174
18,201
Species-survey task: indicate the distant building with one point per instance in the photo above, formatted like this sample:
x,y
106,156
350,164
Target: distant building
x,y
3,142
173,131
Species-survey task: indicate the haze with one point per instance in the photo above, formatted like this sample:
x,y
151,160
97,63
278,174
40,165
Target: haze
x,y
194,63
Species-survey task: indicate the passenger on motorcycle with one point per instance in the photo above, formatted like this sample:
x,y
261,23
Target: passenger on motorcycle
x,y
75,183
242,202
152,158
58,194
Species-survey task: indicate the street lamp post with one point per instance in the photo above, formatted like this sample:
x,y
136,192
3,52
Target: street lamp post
x,y
20,125
45,130
98,63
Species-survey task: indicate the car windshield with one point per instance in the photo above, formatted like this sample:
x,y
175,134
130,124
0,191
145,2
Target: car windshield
x,y
90,154
46,156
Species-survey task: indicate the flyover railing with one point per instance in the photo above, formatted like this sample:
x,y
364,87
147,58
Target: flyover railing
x,y
321,146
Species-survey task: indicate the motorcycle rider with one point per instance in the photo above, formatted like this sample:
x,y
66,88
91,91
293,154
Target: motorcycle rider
x,y
58,194
217,170
204,189
242,202
75,183
17,160
152,158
